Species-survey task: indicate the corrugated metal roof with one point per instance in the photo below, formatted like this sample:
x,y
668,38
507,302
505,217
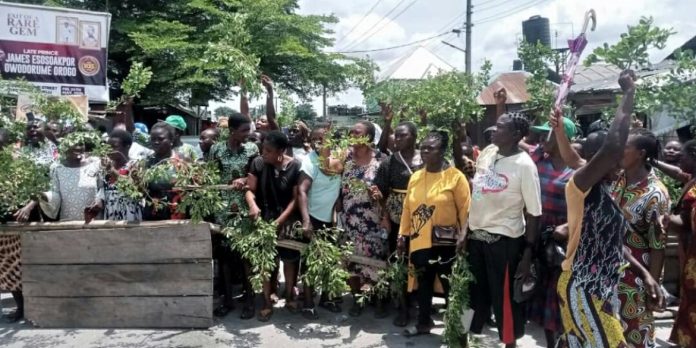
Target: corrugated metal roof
x,y
514,83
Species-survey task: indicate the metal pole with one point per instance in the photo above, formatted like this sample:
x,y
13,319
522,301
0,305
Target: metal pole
x,y
323,109
468,37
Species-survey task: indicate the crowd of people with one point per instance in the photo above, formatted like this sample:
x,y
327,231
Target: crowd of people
x,y
568,233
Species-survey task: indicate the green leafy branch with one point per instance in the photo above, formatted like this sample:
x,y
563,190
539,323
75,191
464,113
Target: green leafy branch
x,y
541,92
391,282
256,242
22,180
458,299
325,261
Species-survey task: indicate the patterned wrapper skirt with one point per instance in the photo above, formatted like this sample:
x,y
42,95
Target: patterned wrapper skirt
x,y
10,266
588,321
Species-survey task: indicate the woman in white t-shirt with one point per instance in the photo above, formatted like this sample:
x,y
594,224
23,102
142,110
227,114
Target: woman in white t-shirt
x,y
504,212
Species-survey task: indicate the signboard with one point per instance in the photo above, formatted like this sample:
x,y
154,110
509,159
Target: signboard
x,y
62,51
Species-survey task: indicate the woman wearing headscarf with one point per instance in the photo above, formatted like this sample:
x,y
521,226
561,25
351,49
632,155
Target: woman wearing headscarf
x,y
298,135
361,213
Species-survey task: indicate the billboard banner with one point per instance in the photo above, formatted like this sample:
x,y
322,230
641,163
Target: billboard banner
x,y
62,51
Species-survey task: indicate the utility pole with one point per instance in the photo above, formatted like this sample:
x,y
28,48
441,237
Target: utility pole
x,y
468,26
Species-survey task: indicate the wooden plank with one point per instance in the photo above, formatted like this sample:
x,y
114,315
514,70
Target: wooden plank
x,y
164,244
362,260
14,227
120,312
187,279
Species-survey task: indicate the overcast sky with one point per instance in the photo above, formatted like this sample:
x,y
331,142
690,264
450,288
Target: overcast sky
x,y
497,27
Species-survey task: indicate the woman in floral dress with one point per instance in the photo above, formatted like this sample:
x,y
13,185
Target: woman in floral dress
x,y
644,201
362,214
684,220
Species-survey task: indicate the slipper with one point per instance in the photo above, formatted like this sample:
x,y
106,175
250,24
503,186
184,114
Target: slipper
x,y
265,315
355,310
331,306
247,312
310,313
401,320
221,311
413,332
292,307
274,298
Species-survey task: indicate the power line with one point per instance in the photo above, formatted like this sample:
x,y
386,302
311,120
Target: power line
x,y
378,29
489,5
398,46
453,21
360,21
377,23
511,11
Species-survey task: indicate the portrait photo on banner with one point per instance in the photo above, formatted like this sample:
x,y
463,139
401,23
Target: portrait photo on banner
x,y
90,35
66,30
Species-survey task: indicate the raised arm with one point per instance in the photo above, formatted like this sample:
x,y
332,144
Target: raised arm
x,y
270,107
243,101
387,115
609,155
457,150
571,158
673,172
500,100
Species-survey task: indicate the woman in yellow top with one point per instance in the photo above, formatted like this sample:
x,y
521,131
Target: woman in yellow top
x,y
437,201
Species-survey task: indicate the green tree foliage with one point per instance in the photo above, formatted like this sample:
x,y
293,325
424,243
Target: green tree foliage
x,y
444,98
224,111
535,58
655,92
305,113
631,52
200,49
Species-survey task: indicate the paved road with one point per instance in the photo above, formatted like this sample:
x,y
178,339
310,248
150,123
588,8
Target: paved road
x,y
285,330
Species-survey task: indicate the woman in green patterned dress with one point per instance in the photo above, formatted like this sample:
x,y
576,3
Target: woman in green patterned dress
x,y
233,158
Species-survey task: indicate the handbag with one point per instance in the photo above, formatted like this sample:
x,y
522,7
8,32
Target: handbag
x,y
554,253
445,235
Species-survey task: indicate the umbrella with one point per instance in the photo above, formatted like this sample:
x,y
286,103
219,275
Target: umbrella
x,y
576,47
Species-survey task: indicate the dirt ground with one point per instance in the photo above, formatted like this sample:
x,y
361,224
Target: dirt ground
x,y
285,330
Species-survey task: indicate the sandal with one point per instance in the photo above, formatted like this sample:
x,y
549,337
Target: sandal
x,y
247,312
381,311
413,331
14,316
292,307
401,320
265,314
222,311
331,306
310,313
356,310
